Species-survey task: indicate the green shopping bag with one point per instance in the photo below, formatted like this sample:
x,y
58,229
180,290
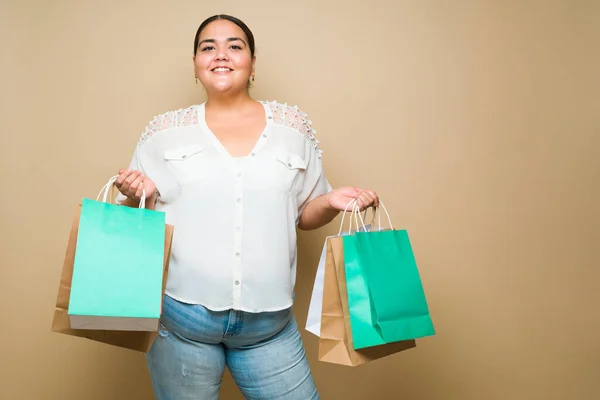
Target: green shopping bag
x,y
118,267
386,299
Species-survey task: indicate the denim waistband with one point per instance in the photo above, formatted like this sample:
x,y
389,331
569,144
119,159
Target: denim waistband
x,y
232,328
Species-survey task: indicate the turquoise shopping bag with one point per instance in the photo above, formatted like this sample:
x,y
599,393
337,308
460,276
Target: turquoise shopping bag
x,y
386,299
118,267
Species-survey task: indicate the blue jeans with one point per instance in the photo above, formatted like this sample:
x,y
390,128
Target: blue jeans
x,y
263,352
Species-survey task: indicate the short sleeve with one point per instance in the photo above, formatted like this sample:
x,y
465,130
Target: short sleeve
x,y
152,164
315,182
145,159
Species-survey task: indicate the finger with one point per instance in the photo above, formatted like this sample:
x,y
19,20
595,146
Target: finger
x,y
375,198
123,174
360,204
366,199
133,188
140,190
132,177
363,202
126,186
120,179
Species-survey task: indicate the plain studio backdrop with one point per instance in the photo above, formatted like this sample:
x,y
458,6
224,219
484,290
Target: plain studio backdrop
x,y
478,123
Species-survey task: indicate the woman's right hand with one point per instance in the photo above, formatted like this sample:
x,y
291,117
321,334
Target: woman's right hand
x,y
131,183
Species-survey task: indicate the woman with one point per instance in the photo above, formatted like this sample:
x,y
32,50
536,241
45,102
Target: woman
x,y
235,177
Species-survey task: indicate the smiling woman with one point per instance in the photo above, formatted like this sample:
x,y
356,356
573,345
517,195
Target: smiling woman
x,y
210,38
251,171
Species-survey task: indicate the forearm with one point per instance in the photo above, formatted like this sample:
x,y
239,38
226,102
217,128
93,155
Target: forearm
x,y
316,214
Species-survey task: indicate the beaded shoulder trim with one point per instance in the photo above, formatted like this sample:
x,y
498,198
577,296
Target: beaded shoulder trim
x,y
293,117
290,116
171,119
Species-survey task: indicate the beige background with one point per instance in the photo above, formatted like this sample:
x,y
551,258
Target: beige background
x,y
476,121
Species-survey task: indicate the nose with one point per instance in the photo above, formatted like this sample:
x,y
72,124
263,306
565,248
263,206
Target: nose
x,y
221,54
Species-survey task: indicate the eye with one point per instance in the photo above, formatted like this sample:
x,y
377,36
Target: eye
x,y
207,48
236,47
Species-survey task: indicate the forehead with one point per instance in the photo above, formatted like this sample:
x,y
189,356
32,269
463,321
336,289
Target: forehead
x,y
222,28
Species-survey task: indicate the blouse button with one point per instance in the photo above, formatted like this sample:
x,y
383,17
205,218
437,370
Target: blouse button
x,y
290,165
270,117
264,135
253,154
237,283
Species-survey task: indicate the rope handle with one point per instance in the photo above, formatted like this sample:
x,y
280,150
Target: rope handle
x,y
356,210
110,185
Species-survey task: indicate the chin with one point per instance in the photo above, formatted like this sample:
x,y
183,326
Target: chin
x,y
223,88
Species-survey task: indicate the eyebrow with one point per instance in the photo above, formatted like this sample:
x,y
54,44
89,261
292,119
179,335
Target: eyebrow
x,y
230,39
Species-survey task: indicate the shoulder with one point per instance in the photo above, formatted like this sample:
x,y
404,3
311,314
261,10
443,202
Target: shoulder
x,y
290,116
170,120
295,119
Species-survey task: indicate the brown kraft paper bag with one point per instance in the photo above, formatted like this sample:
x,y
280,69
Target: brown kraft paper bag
x,y
134,340
335,343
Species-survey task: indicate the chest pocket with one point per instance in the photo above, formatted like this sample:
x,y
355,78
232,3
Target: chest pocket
x,y
186,163
288,172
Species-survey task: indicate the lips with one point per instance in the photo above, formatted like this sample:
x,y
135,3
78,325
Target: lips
x,y
221,70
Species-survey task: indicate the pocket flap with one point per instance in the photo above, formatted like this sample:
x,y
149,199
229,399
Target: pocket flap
x,y
291,160
183,152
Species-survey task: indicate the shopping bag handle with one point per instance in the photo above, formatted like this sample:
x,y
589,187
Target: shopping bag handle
x,y
356,210
110,184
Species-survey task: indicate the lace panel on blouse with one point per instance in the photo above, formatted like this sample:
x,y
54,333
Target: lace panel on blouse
x,y
171,119
290,116
293,117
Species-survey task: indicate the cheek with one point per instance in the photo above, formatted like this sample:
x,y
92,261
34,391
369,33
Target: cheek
x,y
202,62
242,61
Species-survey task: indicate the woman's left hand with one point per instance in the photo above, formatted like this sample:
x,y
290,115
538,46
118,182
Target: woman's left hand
x,y
340,198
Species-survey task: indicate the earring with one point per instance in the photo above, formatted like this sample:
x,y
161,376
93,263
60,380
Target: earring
x,y
252,78
196,80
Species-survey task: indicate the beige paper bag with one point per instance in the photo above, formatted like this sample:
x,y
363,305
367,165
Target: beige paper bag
x,y
335,343
134,340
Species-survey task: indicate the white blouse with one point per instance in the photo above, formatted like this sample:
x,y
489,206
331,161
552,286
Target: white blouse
x,y
234,218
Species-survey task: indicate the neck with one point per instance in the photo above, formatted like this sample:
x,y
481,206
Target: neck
x,y
227,101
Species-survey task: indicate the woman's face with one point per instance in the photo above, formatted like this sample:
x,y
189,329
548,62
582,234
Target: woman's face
x,y
223,61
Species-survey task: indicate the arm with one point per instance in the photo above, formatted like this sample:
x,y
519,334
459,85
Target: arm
x,y
144,164
319,204
323,209
317,213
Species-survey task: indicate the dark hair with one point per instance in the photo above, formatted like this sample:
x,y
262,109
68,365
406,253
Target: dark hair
x,y
229,18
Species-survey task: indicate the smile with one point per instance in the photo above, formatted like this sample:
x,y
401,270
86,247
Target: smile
x,y
222,70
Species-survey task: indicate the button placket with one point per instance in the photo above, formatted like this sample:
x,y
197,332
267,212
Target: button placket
x,y
238,232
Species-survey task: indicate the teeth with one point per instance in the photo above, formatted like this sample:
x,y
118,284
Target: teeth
x,y
222,69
